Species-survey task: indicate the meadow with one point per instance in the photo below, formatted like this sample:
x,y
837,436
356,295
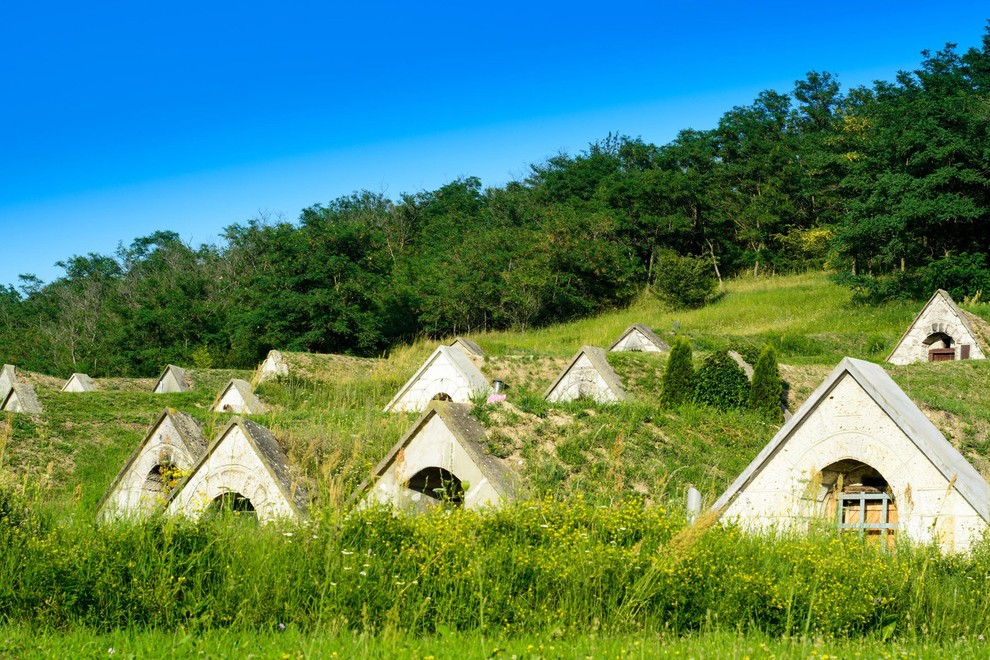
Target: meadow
x,y
596,559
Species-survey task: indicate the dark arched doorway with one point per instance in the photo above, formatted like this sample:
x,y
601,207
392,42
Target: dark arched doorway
x,y
941,347
231,503
438,483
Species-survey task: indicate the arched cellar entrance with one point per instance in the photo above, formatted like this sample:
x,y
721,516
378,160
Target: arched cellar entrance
x,y
154,484
859,499
442,396
941,347
231,503
438,483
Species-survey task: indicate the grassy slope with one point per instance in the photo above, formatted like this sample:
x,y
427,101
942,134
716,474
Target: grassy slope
x,y
331,420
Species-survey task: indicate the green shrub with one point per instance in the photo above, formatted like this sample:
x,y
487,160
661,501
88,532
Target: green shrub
x,y
684,282
720,382
678,378
765,393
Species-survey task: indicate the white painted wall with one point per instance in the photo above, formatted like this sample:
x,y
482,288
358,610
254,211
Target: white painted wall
x,y
274,366
129,497
168,385
232,398
582,380
13,404
74,385
233,466
433,446
636,341
849,425
440,376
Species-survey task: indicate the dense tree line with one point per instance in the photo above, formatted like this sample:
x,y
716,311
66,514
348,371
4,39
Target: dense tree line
x,y
888,186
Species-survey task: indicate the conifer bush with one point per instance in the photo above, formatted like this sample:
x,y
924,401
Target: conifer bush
x,y
766,391
721,383
678,379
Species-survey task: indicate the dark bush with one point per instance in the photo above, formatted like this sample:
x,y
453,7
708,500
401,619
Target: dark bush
x,y
678,378
684,282
721,383
766,390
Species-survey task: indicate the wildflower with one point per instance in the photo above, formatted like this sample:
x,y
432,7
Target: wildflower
x,y
281,626
111,651
286,533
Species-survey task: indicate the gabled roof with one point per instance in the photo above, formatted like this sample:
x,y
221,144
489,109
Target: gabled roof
x,y
8,376
273,365
252,404
599,362
456,358
974,325
267,448
190,438
879,386
468,346
83,382
21,398
178,373
647,334
470,435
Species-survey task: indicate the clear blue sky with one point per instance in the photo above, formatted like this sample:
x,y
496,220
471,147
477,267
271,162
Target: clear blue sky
x,y
121,118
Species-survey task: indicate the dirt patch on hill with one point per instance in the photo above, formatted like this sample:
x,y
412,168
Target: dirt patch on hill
x,y
125,384
801,381
534,373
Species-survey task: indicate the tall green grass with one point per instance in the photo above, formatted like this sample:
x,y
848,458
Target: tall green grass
x,y
572,567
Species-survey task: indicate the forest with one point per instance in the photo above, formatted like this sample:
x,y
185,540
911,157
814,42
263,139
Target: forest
x,y
886,186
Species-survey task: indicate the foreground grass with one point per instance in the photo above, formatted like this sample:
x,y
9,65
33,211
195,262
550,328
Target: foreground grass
x,y
571,568
293,643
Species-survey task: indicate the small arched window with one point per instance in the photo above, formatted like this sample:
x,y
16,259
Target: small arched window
x,y
859,498
231,503
438,483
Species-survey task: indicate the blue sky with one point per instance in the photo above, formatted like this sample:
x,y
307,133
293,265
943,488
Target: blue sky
x,y
121,118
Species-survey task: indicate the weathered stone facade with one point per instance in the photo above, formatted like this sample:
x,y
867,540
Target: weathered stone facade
x,y
441,459
448,375
588,376
168,451
858,422
21,398
941,324
274,366
172,380
470,348
79,383
247,463
638,337
237,397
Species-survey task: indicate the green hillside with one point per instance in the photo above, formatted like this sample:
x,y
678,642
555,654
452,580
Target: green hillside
x,y
594,558
329,416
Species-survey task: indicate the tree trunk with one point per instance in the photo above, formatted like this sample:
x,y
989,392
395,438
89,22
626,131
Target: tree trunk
x,y
711,251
